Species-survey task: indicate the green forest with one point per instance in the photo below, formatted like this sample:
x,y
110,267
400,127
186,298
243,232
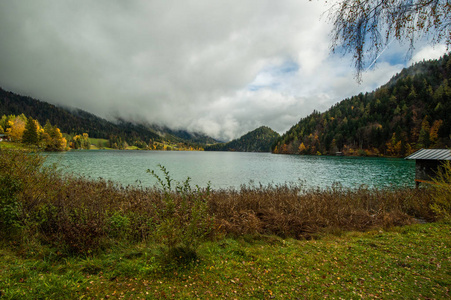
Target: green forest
x,y
410,112
258,140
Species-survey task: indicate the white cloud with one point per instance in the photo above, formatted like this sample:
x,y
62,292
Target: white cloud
x,y
215,66
429,52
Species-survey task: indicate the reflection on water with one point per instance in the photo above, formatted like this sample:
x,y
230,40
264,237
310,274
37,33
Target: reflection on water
x,y
232,169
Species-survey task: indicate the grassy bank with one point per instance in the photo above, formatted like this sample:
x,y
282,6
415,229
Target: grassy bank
x,y
412,262
68,237
15,146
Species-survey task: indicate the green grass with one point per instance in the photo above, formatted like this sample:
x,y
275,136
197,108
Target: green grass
x,y
132,148
103,144
98,143
412,262
14,146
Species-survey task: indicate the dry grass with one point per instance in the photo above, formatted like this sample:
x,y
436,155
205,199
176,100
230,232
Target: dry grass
x,y
76,215
288,211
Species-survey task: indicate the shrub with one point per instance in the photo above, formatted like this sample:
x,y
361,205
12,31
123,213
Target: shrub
x,y
119,225
10,207
441,199
183,220
17,174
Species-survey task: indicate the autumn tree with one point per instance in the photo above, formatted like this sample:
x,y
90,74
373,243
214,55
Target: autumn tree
x,y
81,142
394,146
301,148
4,122
433,134
116,142
16,128
365,28
59,142
51,138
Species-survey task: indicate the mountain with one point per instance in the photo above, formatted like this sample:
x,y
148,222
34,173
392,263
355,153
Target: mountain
x,y
259,140
72,121
411,111
77,121
183,135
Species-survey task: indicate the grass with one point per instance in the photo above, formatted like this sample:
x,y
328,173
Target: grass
x,y
14,146
402,263
98,143
132,148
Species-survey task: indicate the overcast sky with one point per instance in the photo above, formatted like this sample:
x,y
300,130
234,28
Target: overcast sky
x,y
218,67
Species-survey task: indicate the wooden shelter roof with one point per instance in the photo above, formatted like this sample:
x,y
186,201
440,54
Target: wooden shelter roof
x,y
431,154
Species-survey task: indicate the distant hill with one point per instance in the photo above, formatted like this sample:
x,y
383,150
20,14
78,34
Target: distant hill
x,y
411,111
258,140
77,121
183,135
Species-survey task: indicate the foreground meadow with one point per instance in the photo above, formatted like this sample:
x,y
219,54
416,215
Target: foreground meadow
x,y
412,262
64,237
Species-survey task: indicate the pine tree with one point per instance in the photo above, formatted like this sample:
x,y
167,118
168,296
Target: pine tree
x,y
30,134
424,137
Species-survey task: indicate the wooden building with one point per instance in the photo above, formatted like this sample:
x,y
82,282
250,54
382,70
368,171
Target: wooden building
x,y
427,162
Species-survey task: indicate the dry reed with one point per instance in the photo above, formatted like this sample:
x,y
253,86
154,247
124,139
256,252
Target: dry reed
x,y
78,215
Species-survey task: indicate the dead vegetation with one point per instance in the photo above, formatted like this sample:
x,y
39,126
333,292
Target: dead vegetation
x,y
77,215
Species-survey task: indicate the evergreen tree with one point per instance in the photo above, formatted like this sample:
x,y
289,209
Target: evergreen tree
x,y
48,128
30,134
424,137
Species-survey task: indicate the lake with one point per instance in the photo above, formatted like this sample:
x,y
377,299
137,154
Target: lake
x,y
232,169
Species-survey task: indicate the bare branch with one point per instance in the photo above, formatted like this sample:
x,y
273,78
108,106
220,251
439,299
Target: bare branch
x,y
366,27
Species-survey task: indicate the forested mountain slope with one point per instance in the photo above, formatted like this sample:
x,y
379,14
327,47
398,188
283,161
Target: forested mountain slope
x,y
412,111
258,140
183,135
71,121
76,121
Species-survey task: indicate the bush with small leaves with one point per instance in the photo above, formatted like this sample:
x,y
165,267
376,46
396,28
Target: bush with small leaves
x,y
10,207
183,220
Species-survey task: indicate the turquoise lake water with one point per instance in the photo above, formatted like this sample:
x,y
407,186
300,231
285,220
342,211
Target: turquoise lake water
x,y
232,169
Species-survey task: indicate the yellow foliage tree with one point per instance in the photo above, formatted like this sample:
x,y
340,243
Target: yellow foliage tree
x,y
17,127
393,147
60,142
433,134
301,148
284,149
78,141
